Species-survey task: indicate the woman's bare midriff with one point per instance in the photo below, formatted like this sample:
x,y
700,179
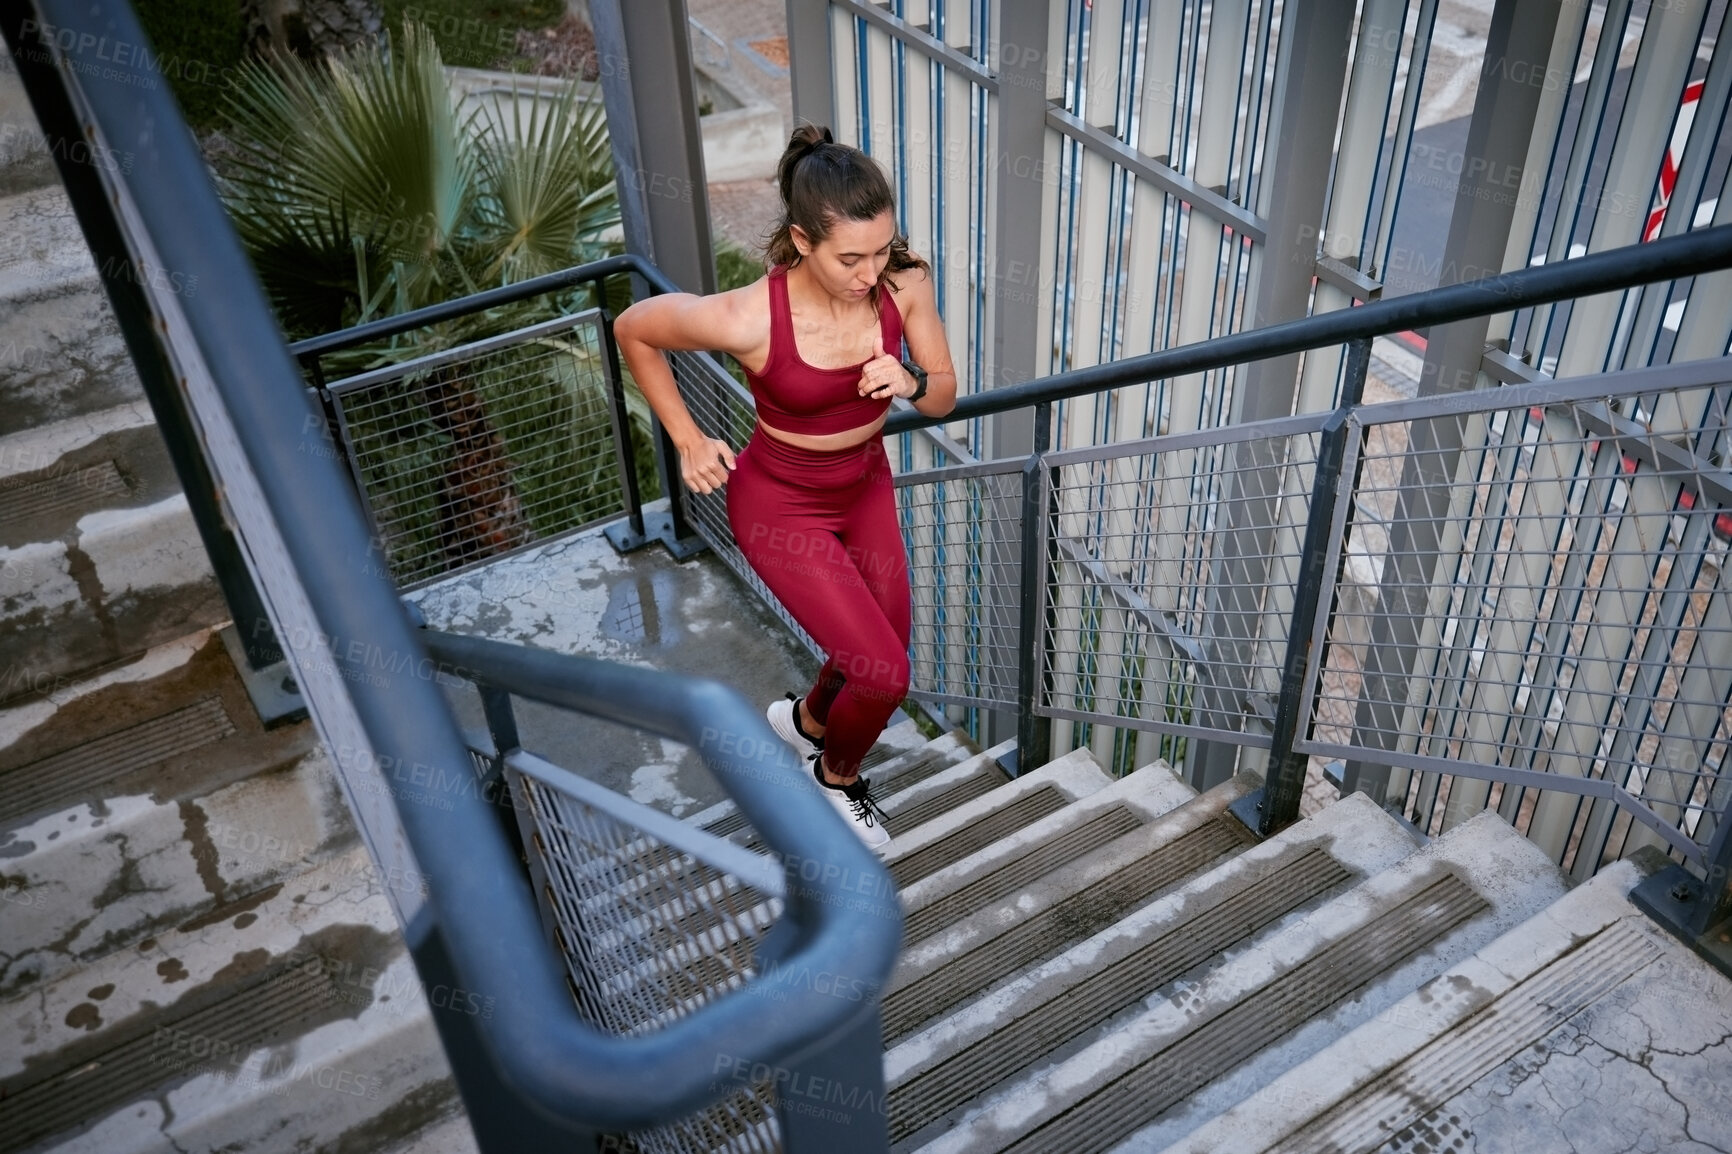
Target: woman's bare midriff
x,y
828,442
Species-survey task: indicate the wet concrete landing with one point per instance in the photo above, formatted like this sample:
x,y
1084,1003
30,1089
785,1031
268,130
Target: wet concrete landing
x,y
578,596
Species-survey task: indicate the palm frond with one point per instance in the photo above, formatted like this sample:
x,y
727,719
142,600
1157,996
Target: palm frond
x,y
549,184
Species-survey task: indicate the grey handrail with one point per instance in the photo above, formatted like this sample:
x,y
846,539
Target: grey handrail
x,y
845,916
1688,254
160,206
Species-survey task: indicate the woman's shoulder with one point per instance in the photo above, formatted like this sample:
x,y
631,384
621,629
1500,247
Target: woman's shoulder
x,y
748,305
912,285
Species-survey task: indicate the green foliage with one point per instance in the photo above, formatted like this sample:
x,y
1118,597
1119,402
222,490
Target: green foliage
x,y
476,35
360,190
197,44
735,267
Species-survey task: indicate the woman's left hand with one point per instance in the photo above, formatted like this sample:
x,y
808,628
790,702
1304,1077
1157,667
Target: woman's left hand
x,y
883,376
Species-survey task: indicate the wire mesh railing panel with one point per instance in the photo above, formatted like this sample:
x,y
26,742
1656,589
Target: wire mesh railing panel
x,y
963,530
1172,570
649,933
483,450
1542,588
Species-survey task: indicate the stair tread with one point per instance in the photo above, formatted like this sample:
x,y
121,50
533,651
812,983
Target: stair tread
x,y
985,948
44,247
888,759
1589,958
1013,861
1310,982
308,1003
923,850
127,837
1044,1010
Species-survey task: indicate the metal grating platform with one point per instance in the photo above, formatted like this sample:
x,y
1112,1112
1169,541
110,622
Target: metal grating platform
x,y
76,774
1180,947
1057,927
1024,811
1115,1111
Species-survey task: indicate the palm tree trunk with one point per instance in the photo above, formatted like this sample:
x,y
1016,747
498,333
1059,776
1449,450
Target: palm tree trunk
x,y
479,511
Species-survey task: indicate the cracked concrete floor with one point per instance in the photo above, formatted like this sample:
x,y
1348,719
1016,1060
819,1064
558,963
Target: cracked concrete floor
x,y
1645,1070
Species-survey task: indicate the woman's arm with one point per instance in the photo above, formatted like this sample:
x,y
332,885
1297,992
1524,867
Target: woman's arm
x,y
684,321
923,330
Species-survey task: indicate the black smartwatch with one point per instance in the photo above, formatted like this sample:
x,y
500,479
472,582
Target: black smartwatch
x,y
919,375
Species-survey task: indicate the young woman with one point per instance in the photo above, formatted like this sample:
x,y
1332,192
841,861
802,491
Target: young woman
x,y
809,497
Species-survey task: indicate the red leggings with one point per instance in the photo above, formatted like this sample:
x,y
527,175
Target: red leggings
x,y
820,529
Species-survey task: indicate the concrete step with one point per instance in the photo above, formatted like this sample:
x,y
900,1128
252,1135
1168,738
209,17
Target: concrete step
x,y
99,556
987,947
1586,1027
1011,863
923,850
1053,1008
300,1024
911,800
449,1134
60,344
1162,1071
901,758
147,798
25,160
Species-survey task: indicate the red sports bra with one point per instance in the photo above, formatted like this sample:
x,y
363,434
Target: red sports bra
x,y
794,397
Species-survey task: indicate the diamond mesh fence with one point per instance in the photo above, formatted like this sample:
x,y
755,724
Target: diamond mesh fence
x,y
485,449
1172,564
1541,588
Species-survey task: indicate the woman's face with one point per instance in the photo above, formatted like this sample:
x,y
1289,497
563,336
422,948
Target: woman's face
x,y
849,261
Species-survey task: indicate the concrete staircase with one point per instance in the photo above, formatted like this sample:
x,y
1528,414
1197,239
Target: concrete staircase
x,y
197,954
1095,965
196,951
205,960
99,557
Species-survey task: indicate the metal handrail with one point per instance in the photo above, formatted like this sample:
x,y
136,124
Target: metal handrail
x,y
254,415
1670,258
391,326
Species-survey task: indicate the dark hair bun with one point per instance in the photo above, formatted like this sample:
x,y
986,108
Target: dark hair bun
x,y
806,139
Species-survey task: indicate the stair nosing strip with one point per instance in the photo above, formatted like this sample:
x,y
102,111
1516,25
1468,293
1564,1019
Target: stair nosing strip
x,y
991,1060
1011,875
935,992
1330,975
70,774
1531,1009
953,847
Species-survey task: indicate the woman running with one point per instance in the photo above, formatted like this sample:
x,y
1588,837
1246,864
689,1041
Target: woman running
x,y
809,497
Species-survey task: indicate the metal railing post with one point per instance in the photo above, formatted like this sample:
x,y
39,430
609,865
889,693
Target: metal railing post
x,y
1033,732
848,1077
628,536
1696,910
1276,805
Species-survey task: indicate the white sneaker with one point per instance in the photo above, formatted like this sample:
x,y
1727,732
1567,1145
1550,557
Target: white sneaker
x,y
855,804
784,718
